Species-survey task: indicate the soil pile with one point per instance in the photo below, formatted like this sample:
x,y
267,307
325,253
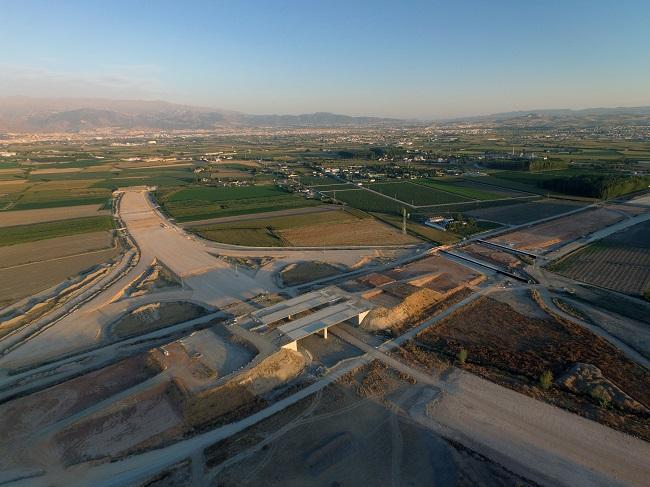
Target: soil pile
x,y
588,380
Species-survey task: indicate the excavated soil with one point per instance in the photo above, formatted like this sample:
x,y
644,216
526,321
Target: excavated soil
x,y
155,316
302,272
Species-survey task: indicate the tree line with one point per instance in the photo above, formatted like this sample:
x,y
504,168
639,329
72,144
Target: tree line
x,y
597,186
522,164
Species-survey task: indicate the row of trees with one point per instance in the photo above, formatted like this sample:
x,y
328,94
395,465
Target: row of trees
x,y
373,153
597,186
522,164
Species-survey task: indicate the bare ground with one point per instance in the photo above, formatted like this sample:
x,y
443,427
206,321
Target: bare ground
x,y
154,316
362,232
514,349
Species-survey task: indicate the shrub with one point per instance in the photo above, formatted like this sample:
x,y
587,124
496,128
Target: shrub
x,y
600,394
462,356
546,380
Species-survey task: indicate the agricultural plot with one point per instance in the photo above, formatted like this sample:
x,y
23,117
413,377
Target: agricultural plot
x,y
470,190
521,213
203,195
28,268
343,228
368,201
544,236
53,194
421,231
502,182
620,262
417,195
41,231
202,203
26,217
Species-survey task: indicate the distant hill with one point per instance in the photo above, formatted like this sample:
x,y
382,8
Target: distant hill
x,y
555,118
21,114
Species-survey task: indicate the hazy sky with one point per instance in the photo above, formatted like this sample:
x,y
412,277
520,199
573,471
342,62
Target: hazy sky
x,y
426,59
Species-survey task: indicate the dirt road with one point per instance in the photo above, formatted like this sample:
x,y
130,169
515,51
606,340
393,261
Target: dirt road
x,y
531,438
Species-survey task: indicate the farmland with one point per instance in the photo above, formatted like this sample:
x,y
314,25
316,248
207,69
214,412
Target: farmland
x,y
421,231
368,201
521,213
471,190
41,231
542,237
620,262
25,217
417,195
28,268
343,228
205,195
201,203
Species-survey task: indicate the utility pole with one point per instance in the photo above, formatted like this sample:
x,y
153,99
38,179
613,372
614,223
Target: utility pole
x,y
404,221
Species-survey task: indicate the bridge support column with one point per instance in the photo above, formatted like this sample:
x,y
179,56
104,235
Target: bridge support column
x,y
291,346
361,317
325,333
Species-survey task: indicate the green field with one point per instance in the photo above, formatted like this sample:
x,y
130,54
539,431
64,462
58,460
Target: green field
x,y
367,201
202,203
416,194
465,190
217,194
41,231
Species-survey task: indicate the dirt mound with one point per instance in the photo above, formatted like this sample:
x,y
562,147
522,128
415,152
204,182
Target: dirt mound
x,y
154,316
492,255
376,279
252,263
410,308
159,277
588,380
206,406
302,272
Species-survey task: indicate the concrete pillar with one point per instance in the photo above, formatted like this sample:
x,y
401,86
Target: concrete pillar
x,y
362,316
325,333
291,346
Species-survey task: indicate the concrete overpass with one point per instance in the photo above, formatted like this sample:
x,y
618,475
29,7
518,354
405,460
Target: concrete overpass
x,y
319,310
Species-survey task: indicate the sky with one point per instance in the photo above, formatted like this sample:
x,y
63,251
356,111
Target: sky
x,y
404,58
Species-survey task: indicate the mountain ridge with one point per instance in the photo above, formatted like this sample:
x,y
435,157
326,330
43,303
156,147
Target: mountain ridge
x,y
41,115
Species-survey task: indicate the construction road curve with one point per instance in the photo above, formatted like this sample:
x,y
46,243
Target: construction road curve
x,y
539,441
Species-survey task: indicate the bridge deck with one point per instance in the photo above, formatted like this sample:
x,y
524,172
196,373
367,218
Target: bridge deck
x,y
322,319
296,305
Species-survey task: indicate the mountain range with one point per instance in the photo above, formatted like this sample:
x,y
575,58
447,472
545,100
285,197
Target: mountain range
x,y
43,115
21,114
